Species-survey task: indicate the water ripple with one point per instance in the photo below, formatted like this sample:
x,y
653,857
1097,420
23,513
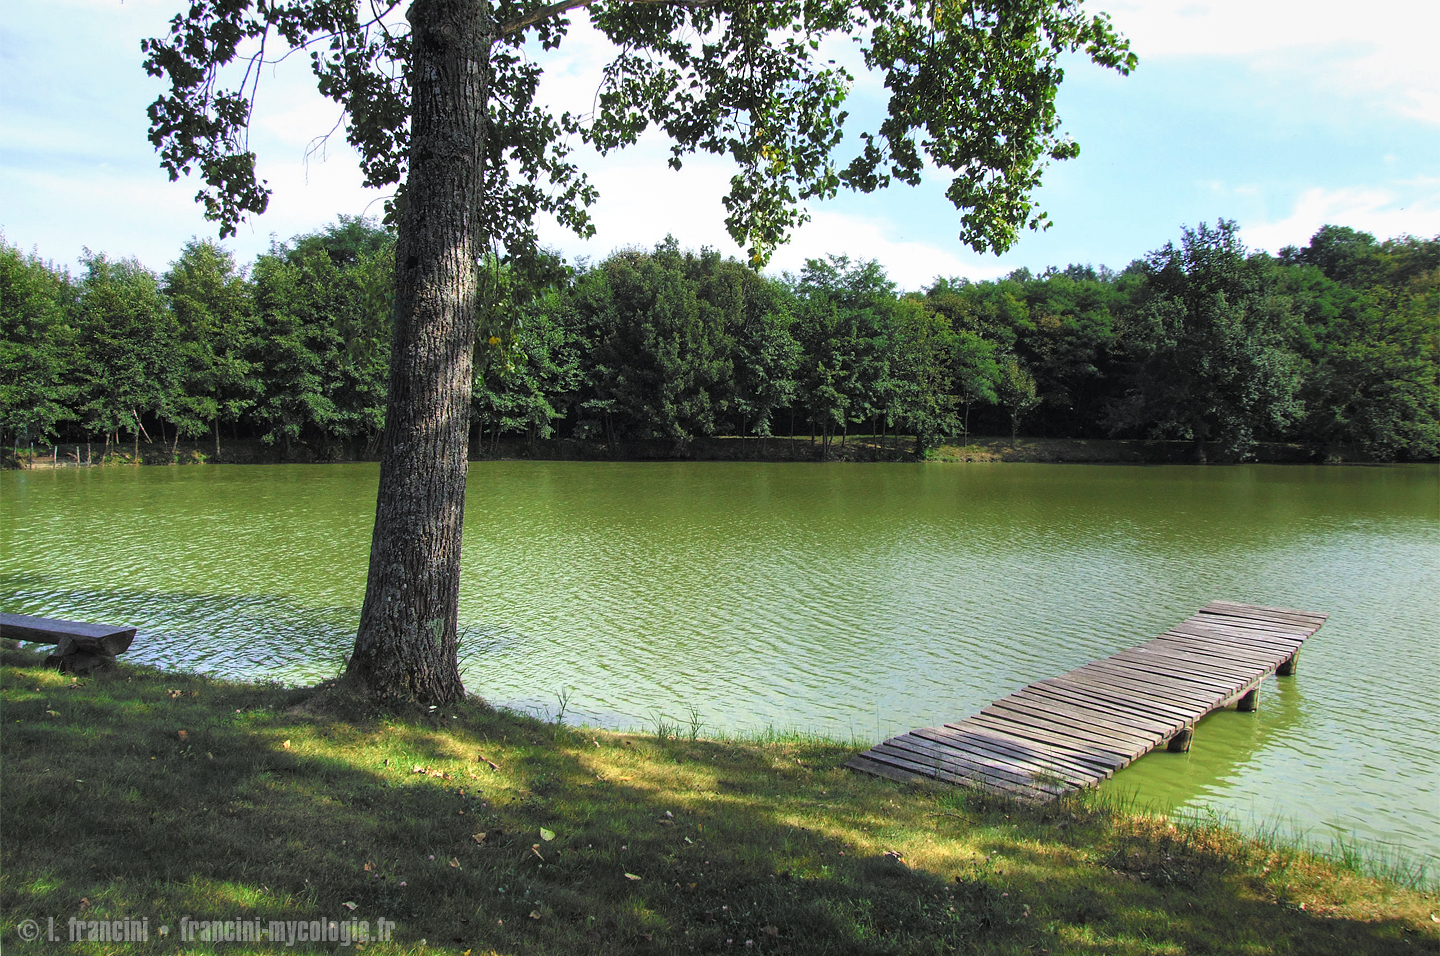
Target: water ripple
x,y
853,600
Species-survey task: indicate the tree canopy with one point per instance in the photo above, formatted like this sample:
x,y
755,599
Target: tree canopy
x,y
444,105
972,91
837,348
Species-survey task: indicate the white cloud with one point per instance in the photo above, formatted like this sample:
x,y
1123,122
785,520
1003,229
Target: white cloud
x,y
1384,50
1383,212
910,263
642,200
1230,27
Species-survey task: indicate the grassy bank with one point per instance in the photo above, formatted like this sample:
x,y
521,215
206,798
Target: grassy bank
x,y
854,448
138,794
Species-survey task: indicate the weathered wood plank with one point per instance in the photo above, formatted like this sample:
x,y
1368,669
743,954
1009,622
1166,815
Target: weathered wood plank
x,y
1246,657
1134,721
1254,638
865,765
915,764
1062,733
1028,712
1160,706
1311,619
1193,657
1078,760
1001,773
1246,627
1167,691
1084,715
1188,672
1208,683
1068,763
1061,768
1004,769
1226,618
1081,748
1120,709
1173,685
1188,656
49,630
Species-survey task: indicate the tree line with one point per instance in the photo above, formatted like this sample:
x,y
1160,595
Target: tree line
x,y
1336,344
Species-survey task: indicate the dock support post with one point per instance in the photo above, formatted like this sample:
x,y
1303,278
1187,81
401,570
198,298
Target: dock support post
x,y
1180,743
1287,666
1251,700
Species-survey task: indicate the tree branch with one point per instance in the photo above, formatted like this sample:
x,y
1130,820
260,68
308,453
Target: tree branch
x,y
554,9
564,6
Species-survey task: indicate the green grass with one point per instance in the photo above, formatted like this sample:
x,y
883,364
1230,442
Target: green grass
x,y
269,808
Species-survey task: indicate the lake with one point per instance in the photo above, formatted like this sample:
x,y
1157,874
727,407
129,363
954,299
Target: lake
x,y
857,601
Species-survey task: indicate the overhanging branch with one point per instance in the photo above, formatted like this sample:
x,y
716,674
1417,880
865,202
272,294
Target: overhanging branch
x,y
565,6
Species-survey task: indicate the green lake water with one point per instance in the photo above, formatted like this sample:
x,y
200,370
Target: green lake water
x,y
858,601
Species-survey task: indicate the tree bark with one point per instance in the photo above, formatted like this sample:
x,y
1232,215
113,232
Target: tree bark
x,y
406,648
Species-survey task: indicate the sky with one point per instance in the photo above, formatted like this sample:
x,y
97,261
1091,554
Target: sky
x,y
1283,115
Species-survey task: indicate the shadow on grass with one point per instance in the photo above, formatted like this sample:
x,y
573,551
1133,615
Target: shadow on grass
x,y
139,794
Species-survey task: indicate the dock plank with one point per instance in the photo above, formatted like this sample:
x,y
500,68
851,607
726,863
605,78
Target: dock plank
x,y
1015,709
1064,733
1122,711
1054,763
1032,763
1095,710
1048,760
1000,773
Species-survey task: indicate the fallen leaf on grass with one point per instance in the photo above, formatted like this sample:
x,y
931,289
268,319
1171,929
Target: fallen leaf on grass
x,y
534,914
352,907
184,736
535,849
631,876
454,862
490,763
547,835
771,931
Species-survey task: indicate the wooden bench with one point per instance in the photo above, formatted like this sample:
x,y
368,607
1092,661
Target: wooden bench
x,y
79,648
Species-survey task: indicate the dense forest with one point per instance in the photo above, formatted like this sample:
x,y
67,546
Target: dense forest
x,y
1335,345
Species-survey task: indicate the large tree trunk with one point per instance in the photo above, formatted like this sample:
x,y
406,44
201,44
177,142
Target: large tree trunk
x,y
406,648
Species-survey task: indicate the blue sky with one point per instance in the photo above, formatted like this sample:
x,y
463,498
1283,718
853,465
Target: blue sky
x,y
1280,114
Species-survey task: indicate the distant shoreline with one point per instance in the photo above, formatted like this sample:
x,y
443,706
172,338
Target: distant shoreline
x,y
800,449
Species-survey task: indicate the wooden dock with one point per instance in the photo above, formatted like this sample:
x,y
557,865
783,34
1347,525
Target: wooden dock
x,y
1073,731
